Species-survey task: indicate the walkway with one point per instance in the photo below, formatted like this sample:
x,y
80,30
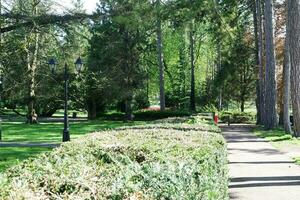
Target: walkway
x,y
257,170
27,144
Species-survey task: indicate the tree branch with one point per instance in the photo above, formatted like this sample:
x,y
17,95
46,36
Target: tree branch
x,y
42,20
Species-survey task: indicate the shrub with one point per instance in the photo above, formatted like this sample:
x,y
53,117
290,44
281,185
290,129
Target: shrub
x,y
147,115
238,117
153,163
154,115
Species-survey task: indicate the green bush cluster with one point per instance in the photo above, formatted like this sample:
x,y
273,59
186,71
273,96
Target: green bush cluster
x,y
238,117
147,115
160,161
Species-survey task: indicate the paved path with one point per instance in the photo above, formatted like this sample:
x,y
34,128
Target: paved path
x,y
27,144
257,170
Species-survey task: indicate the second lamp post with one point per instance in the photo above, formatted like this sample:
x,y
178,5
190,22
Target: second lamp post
x,y
78,67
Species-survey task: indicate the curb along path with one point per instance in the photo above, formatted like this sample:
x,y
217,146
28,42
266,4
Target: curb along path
x,y
257,170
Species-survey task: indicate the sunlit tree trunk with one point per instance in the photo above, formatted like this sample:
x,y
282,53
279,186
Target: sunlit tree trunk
x,y
270,92
258,57
160,59
294,44
260,63
287,85
192,95
32,64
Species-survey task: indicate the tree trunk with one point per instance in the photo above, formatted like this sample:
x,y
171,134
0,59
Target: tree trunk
x,y
243,106
257,59
219,69
287,82
260,64
92,109
270,97
294,43
160,59
32,63
128,110
192,95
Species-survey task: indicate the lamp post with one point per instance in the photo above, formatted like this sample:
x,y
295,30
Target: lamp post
x,y
78,67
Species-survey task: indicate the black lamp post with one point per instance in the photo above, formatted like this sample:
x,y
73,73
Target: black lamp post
x,y
78,67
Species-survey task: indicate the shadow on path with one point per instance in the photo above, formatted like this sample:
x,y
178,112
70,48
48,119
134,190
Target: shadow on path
x,y
257,170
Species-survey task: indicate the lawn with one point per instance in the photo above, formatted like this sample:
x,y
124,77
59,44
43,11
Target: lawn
x,y
10,156
281,140
44,132
52,132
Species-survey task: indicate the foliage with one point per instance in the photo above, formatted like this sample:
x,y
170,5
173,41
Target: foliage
x,y
238,117
115,56
147,115
149,164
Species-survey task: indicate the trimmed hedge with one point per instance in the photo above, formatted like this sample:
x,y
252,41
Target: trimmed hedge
x,y
238,117
159,162
147,115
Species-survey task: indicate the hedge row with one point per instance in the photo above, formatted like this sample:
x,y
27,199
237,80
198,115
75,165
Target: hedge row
x,y
159,162
238,117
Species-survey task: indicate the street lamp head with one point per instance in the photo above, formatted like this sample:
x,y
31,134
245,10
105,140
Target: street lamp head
x,y
79,65
52,64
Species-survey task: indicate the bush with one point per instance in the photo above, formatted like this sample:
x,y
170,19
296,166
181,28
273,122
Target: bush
x,y
154,115
147,115
238,117
154,163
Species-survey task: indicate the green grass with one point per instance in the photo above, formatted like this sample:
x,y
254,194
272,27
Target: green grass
x,y
10,156
44,132
52,132
276,135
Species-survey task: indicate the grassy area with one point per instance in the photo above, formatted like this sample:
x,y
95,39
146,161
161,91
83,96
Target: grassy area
x,y
156,162
44,132
10,156
52,132
276,136
280,140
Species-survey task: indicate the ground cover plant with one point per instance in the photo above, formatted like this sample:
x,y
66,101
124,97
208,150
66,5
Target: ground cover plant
x,y
149,163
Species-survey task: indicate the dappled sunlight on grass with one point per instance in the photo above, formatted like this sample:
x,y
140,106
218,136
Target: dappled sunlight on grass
x,y
276,135
45,132
52,132
12,155
282,141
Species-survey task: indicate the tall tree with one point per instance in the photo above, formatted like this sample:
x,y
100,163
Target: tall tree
x,y
257,15
192,55
270,78
160,56
287,80
294,43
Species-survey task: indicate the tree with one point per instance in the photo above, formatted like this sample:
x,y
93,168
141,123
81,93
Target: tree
x,y
160,57
270,85
259,60
117,46
287,80
192,55
238,73
294,42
